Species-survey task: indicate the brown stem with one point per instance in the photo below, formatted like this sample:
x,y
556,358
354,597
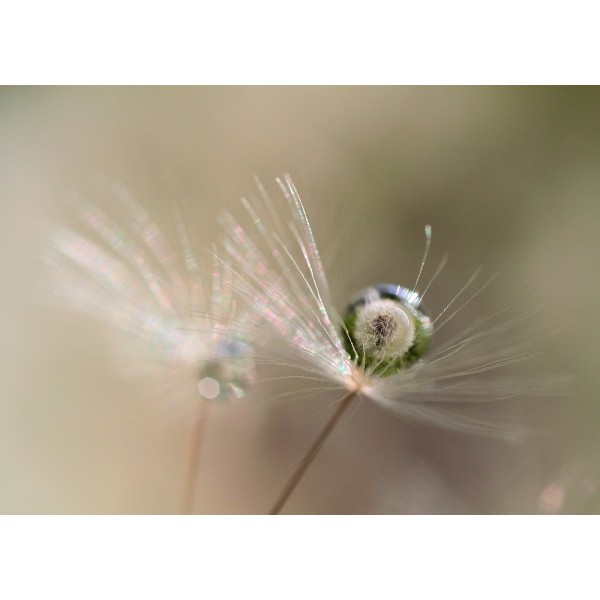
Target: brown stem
x,y
197,435
294,480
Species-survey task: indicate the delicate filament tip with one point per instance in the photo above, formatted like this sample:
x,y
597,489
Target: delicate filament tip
x,y
427,245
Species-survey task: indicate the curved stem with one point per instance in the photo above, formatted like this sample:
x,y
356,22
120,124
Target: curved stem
x,y
297,475
197,435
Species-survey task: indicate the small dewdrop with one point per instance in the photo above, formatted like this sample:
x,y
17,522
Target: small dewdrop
x,y
229,374
384,329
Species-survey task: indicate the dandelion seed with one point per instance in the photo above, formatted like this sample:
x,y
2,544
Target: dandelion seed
x,y
131,279
382,348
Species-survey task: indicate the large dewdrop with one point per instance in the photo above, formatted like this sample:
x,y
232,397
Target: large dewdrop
x,y
385,330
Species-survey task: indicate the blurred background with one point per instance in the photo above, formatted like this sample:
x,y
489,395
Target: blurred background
x,y
507,177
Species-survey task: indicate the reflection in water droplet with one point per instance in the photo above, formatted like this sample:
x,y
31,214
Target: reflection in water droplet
x,y
209,388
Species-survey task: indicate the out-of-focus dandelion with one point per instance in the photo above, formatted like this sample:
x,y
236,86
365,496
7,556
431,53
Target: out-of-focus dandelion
x,y
131,279
379,349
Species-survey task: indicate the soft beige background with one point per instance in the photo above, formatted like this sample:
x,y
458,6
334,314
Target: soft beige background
x,y
509,179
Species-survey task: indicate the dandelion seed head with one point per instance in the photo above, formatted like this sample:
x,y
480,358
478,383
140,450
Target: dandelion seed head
x,y
382,347
128,277
384,328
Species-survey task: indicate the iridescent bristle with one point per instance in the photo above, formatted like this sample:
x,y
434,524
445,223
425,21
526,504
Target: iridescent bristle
x,y
129,277
390,358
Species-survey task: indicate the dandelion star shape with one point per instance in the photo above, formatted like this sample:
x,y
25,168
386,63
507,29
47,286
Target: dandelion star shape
x,y
382,348
131,279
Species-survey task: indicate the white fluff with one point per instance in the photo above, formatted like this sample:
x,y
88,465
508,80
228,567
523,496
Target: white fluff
x,y
281,276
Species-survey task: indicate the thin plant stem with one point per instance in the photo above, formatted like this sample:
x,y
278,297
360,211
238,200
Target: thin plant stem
x,y
297,475
193,464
